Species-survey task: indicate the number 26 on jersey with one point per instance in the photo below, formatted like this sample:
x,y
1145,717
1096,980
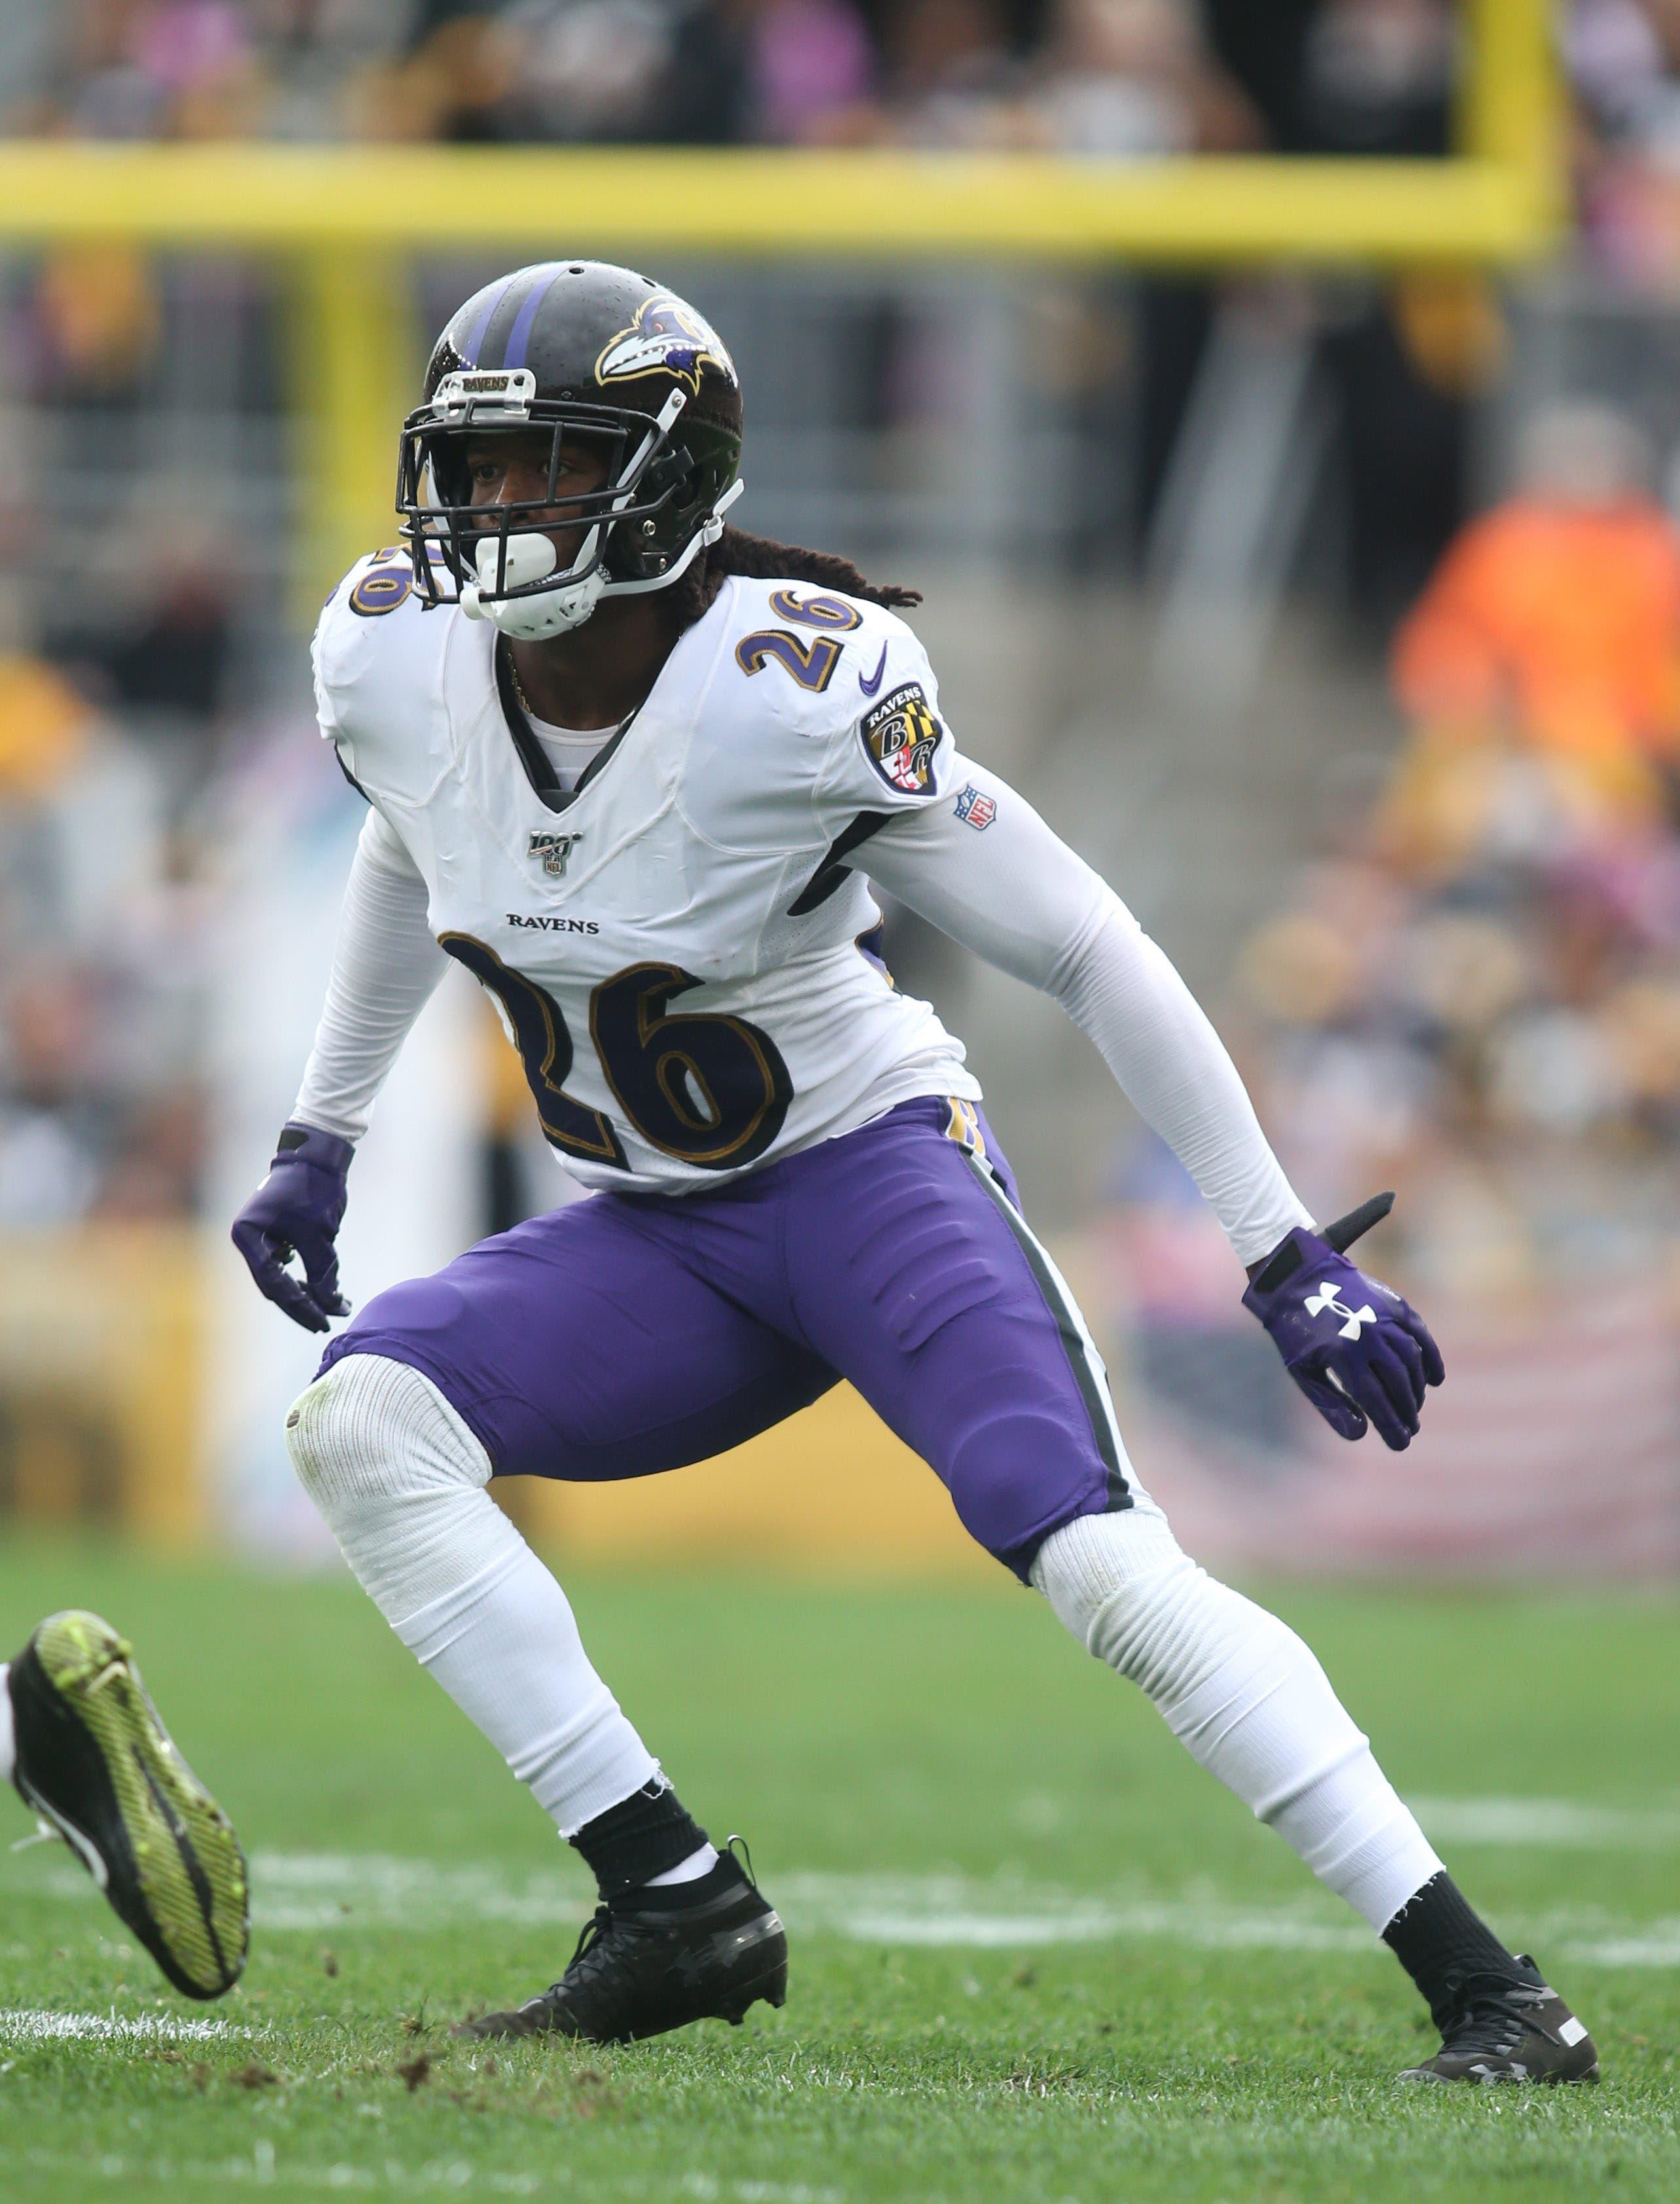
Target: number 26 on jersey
x,y
810,664
711,1090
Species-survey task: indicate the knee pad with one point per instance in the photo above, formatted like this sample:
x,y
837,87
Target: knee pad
x,y
399,1479
370,1430
998,1477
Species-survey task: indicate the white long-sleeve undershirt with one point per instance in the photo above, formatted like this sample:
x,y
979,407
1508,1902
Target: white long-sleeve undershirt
x,y
1014,892
385,966
1016,895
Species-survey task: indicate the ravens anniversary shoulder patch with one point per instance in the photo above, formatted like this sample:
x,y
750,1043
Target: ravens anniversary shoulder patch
x,y
901,736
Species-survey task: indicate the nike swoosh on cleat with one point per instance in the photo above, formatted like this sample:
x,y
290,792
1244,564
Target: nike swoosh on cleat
x,y
873,683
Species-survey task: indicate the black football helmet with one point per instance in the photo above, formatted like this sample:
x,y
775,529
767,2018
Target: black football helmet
x,y
588,350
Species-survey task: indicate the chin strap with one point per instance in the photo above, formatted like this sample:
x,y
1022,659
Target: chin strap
x,y
703,539
567,606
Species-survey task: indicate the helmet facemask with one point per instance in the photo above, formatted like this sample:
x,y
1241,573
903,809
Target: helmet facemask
x,y
640,528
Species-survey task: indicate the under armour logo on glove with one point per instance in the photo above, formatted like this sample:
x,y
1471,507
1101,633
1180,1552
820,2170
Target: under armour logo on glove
x,y
1325,1298
1361,1365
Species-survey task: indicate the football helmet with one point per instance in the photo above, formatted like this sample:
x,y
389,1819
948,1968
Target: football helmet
x,y
587,352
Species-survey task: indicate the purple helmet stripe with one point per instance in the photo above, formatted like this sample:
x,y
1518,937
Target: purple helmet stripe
x,y
520,334
475,336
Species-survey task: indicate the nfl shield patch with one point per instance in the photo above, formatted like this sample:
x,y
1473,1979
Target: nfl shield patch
x,y
975,809
901,736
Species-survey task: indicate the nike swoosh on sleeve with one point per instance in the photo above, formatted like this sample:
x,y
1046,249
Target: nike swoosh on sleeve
x,y
873,683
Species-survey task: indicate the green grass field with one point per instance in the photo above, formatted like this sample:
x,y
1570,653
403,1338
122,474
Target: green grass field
x,y
1037,1955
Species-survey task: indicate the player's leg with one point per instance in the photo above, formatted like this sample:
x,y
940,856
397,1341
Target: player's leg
x,y
86,1748
917,1277
575,1347
1247,1698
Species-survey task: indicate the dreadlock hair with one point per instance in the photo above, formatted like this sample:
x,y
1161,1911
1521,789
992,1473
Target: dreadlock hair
x,y
763,559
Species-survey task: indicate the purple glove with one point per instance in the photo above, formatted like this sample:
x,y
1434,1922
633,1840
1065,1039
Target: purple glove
x,y
298,1208
1354,1348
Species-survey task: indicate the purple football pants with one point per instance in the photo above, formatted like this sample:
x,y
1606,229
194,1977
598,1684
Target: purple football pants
x,y
631,1334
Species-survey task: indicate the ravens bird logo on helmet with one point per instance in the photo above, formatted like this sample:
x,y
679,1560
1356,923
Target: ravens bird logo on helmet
x,y
666,338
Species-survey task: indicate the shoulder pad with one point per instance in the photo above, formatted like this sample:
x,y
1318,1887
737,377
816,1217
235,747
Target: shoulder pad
x,y
380,583
847,676
371,652
813,657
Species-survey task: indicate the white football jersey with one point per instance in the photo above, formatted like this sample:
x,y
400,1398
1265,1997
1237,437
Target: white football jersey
x,y
675,948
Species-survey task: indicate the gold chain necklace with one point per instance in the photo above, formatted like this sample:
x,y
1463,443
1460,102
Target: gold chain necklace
x,y
519,686
530,713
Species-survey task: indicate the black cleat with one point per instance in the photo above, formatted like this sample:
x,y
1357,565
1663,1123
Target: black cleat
x,y
97,1766
641,1970
1502,2030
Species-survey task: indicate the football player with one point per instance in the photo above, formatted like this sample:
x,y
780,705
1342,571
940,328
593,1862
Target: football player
x,y
636,770
85,1747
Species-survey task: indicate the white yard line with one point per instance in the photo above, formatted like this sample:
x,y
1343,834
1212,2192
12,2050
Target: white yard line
x,y
308,1892
26,2025
264,2166
1220,1929
1657,1948
311,1891
1554,1824
966,1910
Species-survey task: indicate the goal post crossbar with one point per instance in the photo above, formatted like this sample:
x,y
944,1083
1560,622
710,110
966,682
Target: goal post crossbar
x,y
776,202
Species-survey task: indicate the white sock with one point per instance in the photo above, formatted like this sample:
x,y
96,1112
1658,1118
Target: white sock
x,y
1248,1699
697,1863
8,1744
400,1480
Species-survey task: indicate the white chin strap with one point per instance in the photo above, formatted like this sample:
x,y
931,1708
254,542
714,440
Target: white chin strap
x,y
530,558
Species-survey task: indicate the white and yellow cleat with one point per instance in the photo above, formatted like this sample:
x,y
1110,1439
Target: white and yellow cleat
x,y
94,1761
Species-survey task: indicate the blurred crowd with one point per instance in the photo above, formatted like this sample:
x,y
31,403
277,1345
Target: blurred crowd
x,y
122,587
1472,994
1125,78
1623,59
1131,78
104,918
1476,994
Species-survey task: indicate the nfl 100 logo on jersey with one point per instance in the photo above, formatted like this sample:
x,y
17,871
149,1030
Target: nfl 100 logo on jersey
x,y
900,736
553,850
